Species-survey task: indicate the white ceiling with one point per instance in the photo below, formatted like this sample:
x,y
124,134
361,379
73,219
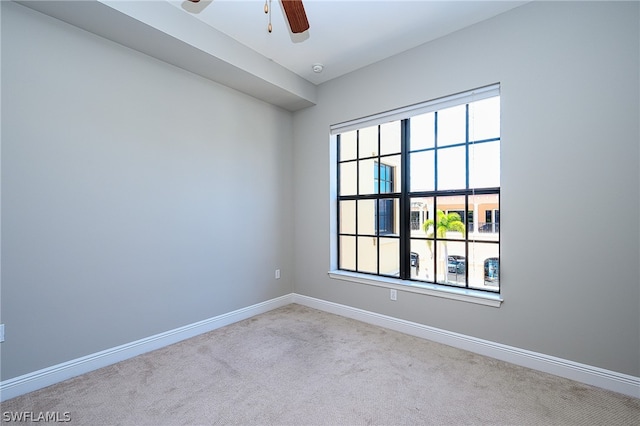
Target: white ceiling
x,y
227,40
343,35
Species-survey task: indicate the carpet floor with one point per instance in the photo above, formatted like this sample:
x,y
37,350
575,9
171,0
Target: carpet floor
x,y
300,366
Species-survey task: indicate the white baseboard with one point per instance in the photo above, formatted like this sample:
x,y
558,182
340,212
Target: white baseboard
x,y
610,380
57,373
606,379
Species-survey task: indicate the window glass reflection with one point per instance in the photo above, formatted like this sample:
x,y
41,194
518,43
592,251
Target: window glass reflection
x,y
390,138
452,125
422,129
348,178
366,177
484,266
348,146
422,167
368,142
452,168
484,165
484,119
390,256
367,217
348,253
348,217
368,254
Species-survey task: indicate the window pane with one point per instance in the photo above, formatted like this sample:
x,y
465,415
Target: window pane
x,y
388,216
390,256
348,146
487,207
390,138
367,254
368,142
484,165
422,260
367,181
383,176
450,217
441,261
484,266
452,125
422,166
422,130
456,262
366,217
390,172
422,209
348,178
484,119
348,253
452,168
470,222
347,217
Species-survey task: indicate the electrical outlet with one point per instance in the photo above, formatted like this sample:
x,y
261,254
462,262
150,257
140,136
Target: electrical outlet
x,y
1,333
393,294
277,274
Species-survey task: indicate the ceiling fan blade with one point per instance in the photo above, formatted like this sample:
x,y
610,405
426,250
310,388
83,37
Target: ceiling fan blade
x,y
296,15
195,6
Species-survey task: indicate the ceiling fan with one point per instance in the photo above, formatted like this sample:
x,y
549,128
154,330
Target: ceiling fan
x,y
294,9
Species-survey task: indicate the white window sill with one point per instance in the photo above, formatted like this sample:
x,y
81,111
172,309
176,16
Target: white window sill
x,y
462,294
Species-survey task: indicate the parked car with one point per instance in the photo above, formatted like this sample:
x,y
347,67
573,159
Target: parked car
x,y
456,264
489,227
491,269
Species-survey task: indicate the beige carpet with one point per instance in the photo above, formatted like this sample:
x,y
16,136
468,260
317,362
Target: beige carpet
x,y
300,366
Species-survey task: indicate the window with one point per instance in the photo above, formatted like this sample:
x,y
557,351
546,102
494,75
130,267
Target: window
x,y
418,192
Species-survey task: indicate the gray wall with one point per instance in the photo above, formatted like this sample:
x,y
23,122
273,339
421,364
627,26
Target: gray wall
x,y
570,183
136,197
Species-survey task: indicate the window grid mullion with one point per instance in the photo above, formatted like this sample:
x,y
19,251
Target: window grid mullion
x,y
405,202
338,204
466,197
435,196
377,207
358,193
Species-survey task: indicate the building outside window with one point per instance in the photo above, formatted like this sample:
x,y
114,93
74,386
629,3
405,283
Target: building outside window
x,y
383,184
418,192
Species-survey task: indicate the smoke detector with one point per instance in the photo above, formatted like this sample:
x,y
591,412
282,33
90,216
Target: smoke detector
x,y
317,68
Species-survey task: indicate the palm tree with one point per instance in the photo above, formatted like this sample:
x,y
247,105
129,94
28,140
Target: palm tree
x,y
443,223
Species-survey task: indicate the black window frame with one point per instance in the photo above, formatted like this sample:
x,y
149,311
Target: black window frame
x,y
403,196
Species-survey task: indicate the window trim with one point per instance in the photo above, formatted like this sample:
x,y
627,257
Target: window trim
x,y
448,292
417,109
